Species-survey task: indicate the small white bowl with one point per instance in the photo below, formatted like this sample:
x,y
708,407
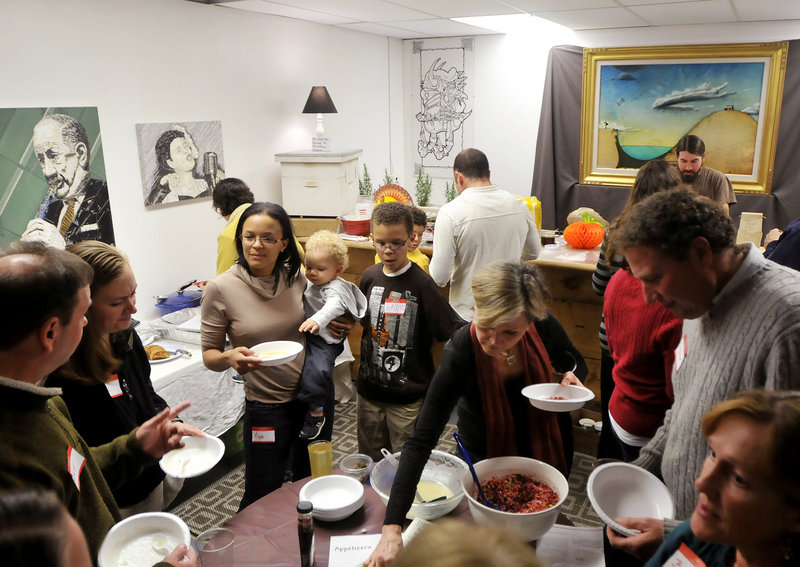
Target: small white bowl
x,y
143,539
528,526
334,496
541,396
622,489
197,456
274,353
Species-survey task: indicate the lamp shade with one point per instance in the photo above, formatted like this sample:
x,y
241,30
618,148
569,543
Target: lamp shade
x,y
319,102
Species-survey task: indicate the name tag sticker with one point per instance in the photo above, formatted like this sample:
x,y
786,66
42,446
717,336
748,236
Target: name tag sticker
x,y
680,354
684,557
75,462
263,435
394,306
113,386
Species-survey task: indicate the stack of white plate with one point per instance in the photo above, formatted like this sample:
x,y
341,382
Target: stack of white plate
x,y
335,497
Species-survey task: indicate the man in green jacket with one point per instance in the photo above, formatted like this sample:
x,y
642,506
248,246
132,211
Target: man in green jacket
x,y
44,296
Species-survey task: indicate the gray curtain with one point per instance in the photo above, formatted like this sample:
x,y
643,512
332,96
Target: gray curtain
x,y
555,176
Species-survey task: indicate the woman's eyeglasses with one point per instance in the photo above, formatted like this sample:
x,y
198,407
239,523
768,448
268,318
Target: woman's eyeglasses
x,y
389,245
264,240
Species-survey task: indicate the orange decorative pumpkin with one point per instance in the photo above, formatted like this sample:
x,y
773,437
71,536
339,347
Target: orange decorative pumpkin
x,y
584,234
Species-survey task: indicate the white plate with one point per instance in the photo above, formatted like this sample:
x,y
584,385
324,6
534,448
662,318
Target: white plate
x,y
625,490
169,347
198,456
143,539
273,353
540,396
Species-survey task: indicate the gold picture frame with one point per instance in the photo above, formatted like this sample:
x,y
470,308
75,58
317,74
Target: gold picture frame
x,y
639,101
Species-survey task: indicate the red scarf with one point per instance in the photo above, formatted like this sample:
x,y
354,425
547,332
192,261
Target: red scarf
x,y
545,436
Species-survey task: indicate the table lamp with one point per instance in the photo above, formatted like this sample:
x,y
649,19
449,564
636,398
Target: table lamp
x,y
319,102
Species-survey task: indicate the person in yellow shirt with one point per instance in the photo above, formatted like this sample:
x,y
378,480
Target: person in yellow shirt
x,y
420,222
230,199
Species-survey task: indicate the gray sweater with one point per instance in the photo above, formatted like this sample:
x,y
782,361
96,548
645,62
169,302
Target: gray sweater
x,y
749,338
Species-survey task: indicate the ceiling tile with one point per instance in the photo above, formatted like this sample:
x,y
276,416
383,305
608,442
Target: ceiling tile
x,y
460,8
382,29
363,10
594,19
532,6
682,13
762,10
282,10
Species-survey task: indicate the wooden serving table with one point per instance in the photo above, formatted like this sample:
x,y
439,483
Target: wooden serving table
x,y
266,531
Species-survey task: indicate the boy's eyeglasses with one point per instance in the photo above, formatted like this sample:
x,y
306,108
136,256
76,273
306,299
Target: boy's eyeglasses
x,y
265,240
393,246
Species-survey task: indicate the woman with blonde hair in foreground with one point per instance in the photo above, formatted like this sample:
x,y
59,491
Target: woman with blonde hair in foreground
x,y
454,543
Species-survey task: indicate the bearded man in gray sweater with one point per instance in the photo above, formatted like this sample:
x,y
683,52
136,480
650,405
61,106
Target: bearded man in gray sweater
x,y
741,330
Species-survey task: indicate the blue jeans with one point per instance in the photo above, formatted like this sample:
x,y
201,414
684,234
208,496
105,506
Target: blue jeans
x,y
276,448
316,382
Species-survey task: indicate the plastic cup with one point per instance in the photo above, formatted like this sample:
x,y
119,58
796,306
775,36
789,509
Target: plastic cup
x,y
320,454
215,547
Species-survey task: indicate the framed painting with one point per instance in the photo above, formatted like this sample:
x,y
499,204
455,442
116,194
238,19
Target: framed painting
x,y
639,101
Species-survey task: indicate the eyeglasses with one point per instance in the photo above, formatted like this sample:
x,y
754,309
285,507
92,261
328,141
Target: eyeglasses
x,y
389,245
264,240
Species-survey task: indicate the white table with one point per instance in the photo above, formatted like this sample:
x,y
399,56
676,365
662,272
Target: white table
x,y
217,401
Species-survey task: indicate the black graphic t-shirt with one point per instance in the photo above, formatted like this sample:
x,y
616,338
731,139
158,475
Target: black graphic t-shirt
x,y
404,314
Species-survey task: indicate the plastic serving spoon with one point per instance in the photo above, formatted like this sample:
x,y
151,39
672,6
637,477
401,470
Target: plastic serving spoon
x,y
463,449
392,461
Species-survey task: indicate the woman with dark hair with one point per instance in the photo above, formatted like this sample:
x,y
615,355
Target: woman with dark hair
x,y
106,383
176,178
260,298
230,198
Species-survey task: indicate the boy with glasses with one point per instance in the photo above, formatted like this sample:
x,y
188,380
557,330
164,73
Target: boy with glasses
x,y
405,313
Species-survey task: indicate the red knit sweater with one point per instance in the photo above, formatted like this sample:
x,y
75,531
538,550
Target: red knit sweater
x,y
642,339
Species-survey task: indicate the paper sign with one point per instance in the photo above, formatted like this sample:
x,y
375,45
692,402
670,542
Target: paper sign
x,y
75,462
263,435
113,387
351,550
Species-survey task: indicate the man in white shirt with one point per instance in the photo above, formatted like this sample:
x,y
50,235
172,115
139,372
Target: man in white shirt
x,y
479,226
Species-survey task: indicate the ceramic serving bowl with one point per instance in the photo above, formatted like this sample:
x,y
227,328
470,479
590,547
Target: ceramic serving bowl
x,y
555,397
334,496
625,490
442,468
528,526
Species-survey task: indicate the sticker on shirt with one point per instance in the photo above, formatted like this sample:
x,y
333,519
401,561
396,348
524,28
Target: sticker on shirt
x,y
684,557
263,435
75,462
394,306
113,386
680,354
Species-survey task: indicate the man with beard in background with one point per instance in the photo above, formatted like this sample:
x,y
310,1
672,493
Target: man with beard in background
x,y
691,153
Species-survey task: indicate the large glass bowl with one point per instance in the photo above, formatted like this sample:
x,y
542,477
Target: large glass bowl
x,y
441,467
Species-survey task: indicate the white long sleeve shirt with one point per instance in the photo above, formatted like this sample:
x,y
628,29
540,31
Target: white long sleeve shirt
x,y
479,226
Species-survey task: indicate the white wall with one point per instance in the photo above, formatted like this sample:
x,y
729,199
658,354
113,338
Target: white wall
x,y
170,60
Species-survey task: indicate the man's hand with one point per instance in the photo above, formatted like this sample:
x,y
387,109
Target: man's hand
x,y
159,434
772,235
309,326
42,231
389,546
643,545
342,325
569,379
182,556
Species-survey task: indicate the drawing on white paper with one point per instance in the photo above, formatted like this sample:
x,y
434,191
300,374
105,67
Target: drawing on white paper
x,y
444,108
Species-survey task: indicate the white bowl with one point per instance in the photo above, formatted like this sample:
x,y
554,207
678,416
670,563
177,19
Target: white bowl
x,y
197,456
441,468
334,496
528,526
574,396
273,353
143,539
622,489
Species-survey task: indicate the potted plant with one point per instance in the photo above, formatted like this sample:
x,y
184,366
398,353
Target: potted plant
x,y
365,183
424,187
450,192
